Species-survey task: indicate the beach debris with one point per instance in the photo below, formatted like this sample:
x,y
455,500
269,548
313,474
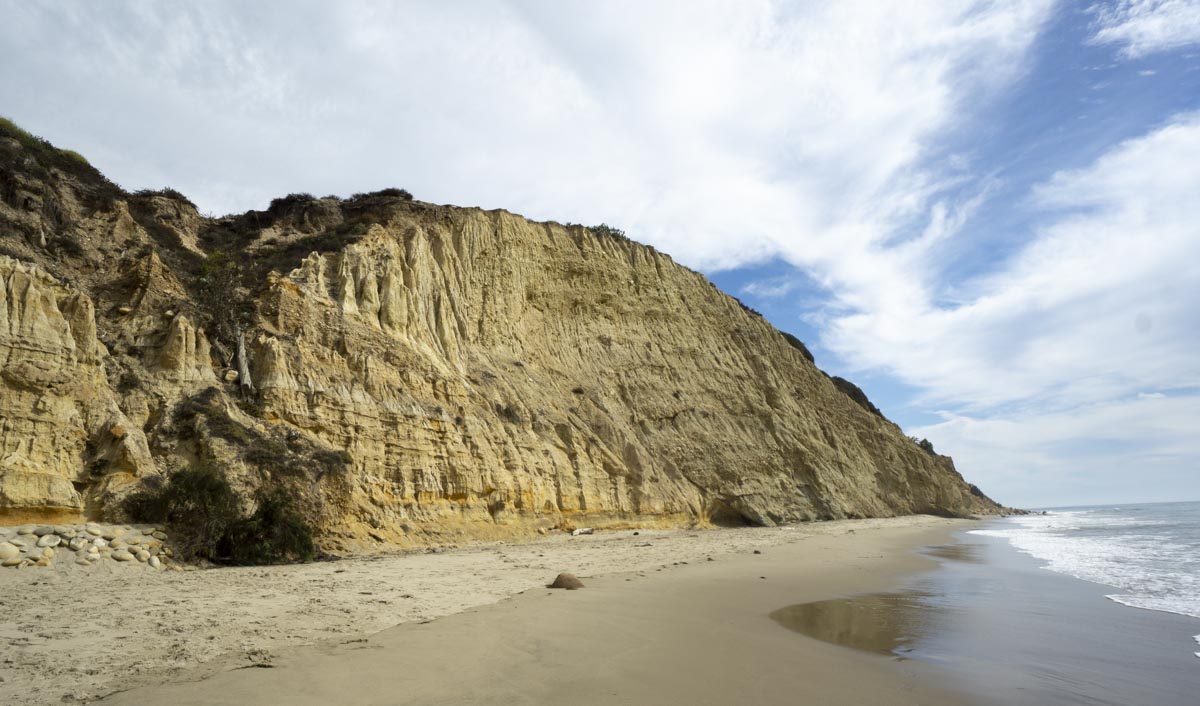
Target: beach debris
x,y
756,551
567,581
582,530
262,658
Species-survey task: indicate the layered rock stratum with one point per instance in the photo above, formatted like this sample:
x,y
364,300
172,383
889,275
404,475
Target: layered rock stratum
x,y
412,372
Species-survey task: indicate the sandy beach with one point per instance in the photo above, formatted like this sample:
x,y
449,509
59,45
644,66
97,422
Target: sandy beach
x,y
656,621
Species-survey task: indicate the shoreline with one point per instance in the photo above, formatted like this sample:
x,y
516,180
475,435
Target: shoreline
x,y
976,614
75,636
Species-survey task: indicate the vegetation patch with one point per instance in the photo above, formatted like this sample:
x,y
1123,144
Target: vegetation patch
x,y
165,192
205,517
747,309
226,310
197,503
798,345
927,446
855,393
604,230
285,203
47,156
279,455
509,414
391,191
275,533
64,244
207,406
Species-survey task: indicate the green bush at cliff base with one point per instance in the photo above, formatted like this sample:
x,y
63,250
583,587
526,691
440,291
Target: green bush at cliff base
x,y
197,503
206,521
274,534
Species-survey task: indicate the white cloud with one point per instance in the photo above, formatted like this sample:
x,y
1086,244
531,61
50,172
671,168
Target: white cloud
x,y
773,288
1144,27
1100,304
1052,353
723,133
1144,449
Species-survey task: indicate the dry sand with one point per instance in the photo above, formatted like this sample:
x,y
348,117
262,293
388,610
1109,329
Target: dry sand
x,y
648,628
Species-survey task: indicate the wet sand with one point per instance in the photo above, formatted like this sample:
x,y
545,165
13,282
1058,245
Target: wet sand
x,y
698,633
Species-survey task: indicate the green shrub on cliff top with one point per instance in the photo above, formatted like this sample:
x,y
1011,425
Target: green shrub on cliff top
x,y
27,139
39,145
798,345
92,186
925,444
604,230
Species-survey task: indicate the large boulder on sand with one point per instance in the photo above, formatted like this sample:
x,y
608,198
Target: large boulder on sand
x,y
567,581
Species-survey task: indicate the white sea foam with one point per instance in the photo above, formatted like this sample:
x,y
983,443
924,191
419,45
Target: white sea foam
x,y
1154,562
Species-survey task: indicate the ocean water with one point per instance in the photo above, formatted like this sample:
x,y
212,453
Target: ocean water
x,y
1149,553
1084,605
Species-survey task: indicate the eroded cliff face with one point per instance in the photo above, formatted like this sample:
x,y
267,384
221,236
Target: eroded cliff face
x,y
55,401
418,373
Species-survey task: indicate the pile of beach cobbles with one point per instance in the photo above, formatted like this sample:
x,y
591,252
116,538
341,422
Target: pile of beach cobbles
x,y
85,545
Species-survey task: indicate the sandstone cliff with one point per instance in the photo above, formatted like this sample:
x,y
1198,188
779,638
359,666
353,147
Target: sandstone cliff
x,y
416,372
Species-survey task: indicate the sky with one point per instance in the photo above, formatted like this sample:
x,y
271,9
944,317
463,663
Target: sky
x,y
986,213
